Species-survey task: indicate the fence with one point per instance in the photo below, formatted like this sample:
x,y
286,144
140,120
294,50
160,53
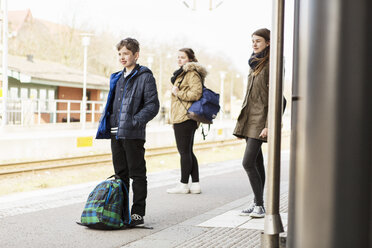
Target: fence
x,y
36,111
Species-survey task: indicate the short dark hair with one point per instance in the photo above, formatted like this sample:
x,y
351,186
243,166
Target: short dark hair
x,y
190,54
130,43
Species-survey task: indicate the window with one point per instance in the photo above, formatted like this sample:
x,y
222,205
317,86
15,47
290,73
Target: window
x,y
33,93
24,93
89,97
51,96
33,97
13,93
42,99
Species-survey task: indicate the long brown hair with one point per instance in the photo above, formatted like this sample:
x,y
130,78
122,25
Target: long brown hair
x,y
264,33
190,54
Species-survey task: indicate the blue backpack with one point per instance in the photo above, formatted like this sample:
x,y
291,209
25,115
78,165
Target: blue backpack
x,y
206,108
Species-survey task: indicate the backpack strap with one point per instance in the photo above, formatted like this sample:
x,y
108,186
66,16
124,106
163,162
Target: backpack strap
x,y
203,132
183,77
182,103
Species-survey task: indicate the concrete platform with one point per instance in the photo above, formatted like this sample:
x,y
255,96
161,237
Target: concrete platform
x,y
46,218
221,227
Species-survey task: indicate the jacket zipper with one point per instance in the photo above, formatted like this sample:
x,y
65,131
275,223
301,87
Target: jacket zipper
x,y
109,96
121,104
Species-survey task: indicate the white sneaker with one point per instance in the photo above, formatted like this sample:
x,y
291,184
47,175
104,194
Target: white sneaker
x,y
258,212
195,188
249,210
181,188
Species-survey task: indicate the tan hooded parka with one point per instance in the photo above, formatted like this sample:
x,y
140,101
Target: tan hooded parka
x,y
190,90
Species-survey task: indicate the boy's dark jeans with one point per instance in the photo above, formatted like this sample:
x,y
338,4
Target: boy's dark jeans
x,y
128,157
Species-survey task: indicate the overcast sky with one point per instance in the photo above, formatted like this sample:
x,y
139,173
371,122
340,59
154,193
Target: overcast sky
x,y
225,30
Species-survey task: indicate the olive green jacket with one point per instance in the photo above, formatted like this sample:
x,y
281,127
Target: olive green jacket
x,y
190,90
253,116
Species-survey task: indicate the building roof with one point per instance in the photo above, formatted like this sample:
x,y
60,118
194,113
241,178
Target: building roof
x,y
41,71
20,18
17,18
51,73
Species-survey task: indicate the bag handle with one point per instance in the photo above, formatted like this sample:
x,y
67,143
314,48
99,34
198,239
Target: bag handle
x,y
115,176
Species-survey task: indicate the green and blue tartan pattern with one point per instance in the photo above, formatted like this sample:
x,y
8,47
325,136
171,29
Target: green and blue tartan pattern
x,y
105,205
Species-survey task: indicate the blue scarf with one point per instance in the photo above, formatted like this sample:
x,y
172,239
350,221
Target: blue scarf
x,y
255,58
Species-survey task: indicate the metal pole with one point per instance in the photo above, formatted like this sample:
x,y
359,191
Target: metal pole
x,y
333,175
291,230
38,111
231,98
93,111
160,90
86,41
85,86
150,60
55,112
68,111
232,95
273,222
5,62
22,112
222,75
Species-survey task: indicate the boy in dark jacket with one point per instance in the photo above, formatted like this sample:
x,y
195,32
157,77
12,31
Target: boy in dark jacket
x,y
131,103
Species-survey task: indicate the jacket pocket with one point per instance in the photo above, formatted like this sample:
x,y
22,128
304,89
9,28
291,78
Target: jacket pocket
x,y
136,124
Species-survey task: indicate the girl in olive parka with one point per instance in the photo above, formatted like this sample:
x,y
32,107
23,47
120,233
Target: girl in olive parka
x,y
252,121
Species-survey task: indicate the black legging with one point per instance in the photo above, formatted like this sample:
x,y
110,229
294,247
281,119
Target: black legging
x,y
184,133
254,166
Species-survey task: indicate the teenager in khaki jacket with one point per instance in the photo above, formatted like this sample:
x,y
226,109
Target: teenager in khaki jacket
x,y
187,87
252,121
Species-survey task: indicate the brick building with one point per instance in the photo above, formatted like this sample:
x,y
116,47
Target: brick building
x,y
50,90
45,83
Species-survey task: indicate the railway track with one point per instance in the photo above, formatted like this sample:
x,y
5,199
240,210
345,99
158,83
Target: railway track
x,y
22,167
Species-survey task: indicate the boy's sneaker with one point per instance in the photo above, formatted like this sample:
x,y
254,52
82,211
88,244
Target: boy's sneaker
x,y
137,221
258,212
249,210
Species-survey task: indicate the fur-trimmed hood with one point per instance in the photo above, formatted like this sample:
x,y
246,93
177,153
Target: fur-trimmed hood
x,y
191,66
